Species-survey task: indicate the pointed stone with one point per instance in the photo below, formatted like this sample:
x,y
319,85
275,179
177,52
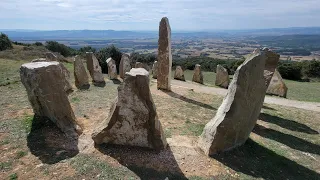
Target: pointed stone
x,y
112,68
164,56
95,70
133,118
197,75
125,65
277,86
67,85
179,74
271,64
80,74
222,77
155,70
44,82
239,111
51,57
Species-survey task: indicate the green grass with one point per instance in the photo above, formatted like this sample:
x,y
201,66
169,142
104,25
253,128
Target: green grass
x,y
20,154
303,91
9,71
13,176
5,166
208,77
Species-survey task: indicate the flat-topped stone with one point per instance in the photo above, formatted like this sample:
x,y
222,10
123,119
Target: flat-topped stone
x,y
138,71
34,65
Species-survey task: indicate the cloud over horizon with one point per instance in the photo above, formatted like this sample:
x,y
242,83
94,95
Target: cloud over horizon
x,y
146,14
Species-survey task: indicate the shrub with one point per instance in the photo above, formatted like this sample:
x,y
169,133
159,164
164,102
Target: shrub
x,y
107,52
38,44
290,70
311,69
5,42
85,49
60,48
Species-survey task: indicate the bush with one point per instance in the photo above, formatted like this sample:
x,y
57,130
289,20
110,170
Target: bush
x,y
85,49
290,70
107,52
60,48
147,59
311,69
38,44
5,42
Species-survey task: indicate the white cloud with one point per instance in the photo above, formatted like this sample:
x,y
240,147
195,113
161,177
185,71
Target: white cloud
x,y
145,14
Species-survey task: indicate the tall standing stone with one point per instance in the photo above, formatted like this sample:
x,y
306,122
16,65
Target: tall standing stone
x,y
44,82
222,77
51,57
67,85
178,74
271,65
155,70
112,68
80,74
125,65
164,56
95,70
197,75
133,118
277,86
239,111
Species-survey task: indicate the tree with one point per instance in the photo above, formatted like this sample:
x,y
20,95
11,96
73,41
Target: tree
x,y
60,48
107,52
85,49
5,42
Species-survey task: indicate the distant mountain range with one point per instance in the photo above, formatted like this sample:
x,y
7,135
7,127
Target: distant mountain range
x,y
17,35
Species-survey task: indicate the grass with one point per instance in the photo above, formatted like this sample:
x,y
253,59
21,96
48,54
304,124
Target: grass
x,y
13,176
285,143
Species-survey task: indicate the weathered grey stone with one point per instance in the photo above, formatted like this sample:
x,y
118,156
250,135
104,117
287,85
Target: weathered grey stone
x,y
67,85
178,74
44,82
164,56
197,75
112,68
239,111
155,70
133,118
277,86
271,64
51,57
95,70
125,65
80,74
222,77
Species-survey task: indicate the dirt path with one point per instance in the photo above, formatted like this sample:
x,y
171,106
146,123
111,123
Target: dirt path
x,y
312,106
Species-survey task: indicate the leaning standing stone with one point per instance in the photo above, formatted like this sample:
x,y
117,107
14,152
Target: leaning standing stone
x,y
80,74
197,75
178,74
95,70
112,68
222,77
239,111
133,118
51,57
124,65
271,65
44,82
155,69
164,56
277,86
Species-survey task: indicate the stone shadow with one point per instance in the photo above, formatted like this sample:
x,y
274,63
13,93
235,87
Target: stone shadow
x,y
267,107
145,163
49,143
257,161
188,100
287,124
287,139
116,81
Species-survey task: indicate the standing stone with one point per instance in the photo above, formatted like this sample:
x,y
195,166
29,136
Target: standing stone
x,y
222,77
155,70
271,65
80,74
124,65
51,57
197,75
95,70
67,85
139,65
112,68
164,56
133,118
239,111
44,82
178,74
277,86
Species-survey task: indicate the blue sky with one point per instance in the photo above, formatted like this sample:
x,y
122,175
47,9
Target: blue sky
x,y
145,14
